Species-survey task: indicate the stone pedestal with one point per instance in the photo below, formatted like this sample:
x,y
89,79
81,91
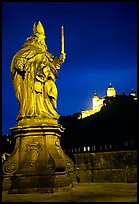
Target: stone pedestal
x,y
38,162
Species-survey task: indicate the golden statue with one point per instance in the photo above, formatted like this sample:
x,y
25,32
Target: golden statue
x,y
34,71
37,150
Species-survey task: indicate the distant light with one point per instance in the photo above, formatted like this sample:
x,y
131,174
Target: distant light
x,y
79,117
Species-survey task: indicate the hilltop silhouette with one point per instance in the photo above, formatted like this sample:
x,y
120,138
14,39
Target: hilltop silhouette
x,y
116,122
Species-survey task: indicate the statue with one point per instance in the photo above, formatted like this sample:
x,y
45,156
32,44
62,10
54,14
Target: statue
x,y
37,150
34,71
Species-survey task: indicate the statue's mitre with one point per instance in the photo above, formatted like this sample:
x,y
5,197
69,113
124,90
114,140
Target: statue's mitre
x,y
38,28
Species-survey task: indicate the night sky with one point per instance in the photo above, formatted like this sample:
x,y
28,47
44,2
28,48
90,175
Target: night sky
x,y
100,44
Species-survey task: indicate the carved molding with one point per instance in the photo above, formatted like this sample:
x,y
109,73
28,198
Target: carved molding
x,y
10,167
33,148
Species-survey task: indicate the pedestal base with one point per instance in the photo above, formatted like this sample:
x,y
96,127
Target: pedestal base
x,y
38,162
41,183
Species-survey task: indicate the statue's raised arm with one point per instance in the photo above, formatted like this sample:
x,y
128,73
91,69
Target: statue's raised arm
x,y
34,71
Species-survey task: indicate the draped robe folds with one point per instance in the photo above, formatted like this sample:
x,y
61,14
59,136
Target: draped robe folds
x,y
35,90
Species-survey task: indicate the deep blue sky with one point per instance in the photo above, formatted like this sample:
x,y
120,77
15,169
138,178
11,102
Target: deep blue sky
x,y
100,43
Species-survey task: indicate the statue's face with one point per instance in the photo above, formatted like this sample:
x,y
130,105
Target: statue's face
x,y
41,41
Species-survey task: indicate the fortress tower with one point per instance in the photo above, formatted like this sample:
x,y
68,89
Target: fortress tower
x,y
111,91
132,93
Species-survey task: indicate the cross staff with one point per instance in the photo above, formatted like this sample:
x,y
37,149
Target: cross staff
x,y
62,39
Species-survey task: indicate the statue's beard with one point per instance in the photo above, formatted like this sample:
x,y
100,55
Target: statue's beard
x,y
42,46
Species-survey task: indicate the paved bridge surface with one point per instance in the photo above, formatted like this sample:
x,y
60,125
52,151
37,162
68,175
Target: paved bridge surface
x,y
84,192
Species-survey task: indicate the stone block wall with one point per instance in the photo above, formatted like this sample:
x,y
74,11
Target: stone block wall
x,y
115,166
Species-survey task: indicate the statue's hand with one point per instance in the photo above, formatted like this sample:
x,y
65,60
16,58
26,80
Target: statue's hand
x,y
62,57
21,63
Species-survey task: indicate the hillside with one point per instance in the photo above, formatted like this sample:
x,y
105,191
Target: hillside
x,y
115,123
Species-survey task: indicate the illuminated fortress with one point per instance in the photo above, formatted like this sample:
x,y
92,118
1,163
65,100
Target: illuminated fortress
x,y
97,102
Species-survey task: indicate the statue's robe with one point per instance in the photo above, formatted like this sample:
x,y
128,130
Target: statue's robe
x,y
35,90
